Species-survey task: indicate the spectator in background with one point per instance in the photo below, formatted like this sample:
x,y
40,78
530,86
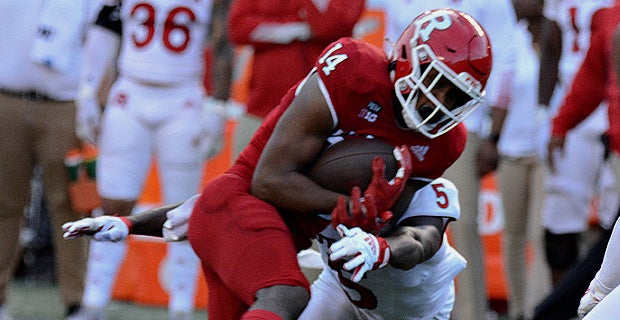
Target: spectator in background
x,y
595,81
498,19
40,49
520,172
286,37
156,108
568,192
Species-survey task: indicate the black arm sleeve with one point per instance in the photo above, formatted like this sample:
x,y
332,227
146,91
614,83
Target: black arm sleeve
x,y
110,18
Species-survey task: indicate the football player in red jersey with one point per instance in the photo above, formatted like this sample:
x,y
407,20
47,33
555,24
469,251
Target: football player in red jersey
x,y
249,222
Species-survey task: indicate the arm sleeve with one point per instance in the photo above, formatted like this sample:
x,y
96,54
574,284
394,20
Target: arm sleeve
x,y
589,86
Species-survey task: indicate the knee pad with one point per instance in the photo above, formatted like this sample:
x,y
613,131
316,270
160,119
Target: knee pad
x,y
561,250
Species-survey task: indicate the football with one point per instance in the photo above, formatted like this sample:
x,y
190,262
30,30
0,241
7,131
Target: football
x,y
348,163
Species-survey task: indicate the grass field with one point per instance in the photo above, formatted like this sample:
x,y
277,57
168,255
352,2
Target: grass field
x,y
40,301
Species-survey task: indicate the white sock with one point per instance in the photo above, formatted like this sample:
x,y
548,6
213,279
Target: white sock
x,y
182,267
104,261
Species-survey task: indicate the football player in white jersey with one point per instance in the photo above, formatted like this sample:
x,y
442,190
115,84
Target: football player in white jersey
x,y
425,291
498,19
570,192
156,108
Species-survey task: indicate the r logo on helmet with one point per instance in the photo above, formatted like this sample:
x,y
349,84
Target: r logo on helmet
x,y
437,20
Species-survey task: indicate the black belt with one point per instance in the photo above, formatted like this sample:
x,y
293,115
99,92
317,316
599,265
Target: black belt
x,y
28,95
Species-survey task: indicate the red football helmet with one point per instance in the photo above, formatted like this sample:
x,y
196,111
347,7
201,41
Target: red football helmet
x,y
440,47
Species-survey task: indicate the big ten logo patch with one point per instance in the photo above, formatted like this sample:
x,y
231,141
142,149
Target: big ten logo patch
x,y
371,112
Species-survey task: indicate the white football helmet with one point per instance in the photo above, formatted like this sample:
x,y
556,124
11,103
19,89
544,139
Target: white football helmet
x,y
440,47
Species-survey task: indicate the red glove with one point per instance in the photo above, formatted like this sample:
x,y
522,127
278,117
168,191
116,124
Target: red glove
x,y
383,192
360,213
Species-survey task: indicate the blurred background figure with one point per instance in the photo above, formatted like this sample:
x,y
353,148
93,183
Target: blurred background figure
x,y
520,172
594,82
156,109
480,155
580,174
40,49
285,38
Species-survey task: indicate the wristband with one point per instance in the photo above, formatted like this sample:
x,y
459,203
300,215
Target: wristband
x,y
384,253
127,222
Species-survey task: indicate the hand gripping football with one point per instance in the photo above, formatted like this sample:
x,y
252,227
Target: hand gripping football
x,y
348,163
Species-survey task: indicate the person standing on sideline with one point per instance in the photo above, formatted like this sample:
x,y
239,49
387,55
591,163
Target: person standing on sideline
x,y
156,108
285,37
40,49
569,193
520,172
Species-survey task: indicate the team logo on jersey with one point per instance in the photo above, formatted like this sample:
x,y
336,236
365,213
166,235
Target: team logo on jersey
x,y
419,151
46,32
121,99
371,112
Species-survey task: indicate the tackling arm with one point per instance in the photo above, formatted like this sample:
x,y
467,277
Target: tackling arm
x,y
416,240
111,228
415,237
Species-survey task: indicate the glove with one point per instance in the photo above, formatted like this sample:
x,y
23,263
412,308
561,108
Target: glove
x,y
104,228
385,193
594,294
175,227
212,135
365,251
88,114
360,213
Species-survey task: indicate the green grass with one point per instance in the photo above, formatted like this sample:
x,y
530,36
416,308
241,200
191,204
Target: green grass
x,y
38,301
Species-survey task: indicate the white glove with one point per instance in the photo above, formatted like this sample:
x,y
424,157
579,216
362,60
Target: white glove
x,y
104,228
594,294
88,114
175,227
213,119
365,251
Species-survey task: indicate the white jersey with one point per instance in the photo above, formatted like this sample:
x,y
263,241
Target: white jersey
x,y
520,137
422,292
574,17
40,51
569,191
163,40
497,17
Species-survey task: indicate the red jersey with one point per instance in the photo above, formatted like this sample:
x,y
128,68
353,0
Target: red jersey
x,y
595,80
277,67
357,87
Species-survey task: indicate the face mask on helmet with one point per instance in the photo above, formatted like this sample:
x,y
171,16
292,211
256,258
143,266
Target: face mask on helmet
x,y
441,51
